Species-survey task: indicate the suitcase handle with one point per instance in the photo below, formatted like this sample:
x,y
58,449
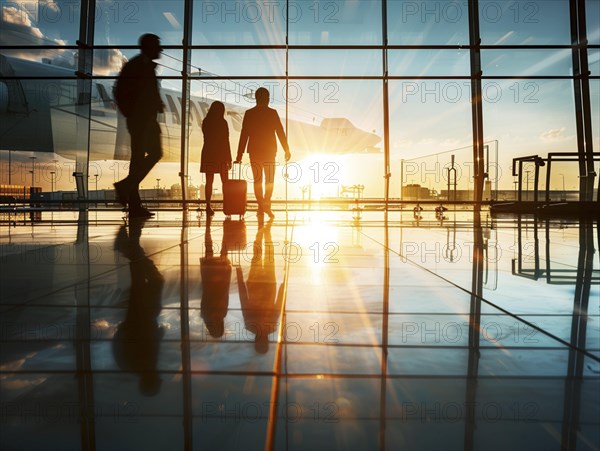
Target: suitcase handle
x,y
233,171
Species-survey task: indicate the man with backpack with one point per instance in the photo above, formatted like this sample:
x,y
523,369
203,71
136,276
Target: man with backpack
x,y
138,98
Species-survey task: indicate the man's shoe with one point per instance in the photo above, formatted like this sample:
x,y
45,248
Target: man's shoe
x,y
140,212
145,210
139,215
210,211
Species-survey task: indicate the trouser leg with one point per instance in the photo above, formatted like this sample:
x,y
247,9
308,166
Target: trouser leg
x,y
208,188
269,170
257,175
146,151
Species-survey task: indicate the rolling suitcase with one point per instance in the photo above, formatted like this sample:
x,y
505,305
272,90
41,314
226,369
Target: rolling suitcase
x,y
234,194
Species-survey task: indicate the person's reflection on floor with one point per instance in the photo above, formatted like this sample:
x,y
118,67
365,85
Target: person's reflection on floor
x,y
216,278
259,297
417,212
439,213
137,339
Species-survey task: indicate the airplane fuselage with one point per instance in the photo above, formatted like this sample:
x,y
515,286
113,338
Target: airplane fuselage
x,y
52,115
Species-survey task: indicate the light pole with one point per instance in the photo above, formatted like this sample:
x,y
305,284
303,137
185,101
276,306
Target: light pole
x,y
563,183
56,171
52,174
9,167
96,175
32,170
304,189
527,182
157,188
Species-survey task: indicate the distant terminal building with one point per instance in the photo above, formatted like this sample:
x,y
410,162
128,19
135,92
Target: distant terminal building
x,y
18,192
414,191
459,195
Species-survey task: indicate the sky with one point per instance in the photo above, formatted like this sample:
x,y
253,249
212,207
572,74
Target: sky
x,y
426,116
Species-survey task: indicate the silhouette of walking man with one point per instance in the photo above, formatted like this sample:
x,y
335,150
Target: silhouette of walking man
x,y
259,128
138,98
137,339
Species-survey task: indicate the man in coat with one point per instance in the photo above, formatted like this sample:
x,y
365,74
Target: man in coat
x,y
260,126
138,98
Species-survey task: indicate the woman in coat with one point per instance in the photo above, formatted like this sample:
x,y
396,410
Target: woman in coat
x,y
216,152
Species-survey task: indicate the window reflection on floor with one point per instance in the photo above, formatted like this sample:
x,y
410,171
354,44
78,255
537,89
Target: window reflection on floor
x,y
314,331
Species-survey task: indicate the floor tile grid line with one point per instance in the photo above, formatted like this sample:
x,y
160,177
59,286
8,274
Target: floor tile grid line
x,y
309,375
296,311
394,417
529,324
277,364
406,217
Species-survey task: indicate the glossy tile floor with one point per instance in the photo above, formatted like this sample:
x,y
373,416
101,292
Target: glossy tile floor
x,y
316,331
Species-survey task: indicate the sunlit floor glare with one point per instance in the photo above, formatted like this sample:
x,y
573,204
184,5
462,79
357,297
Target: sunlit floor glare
x,y
385,339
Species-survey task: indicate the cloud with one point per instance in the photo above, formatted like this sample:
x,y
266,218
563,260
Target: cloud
x,y
108,61
20,384
555,134
20,21
52,5
19,28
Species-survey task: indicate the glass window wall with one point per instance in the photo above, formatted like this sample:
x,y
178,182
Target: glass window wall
x,y
325,64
